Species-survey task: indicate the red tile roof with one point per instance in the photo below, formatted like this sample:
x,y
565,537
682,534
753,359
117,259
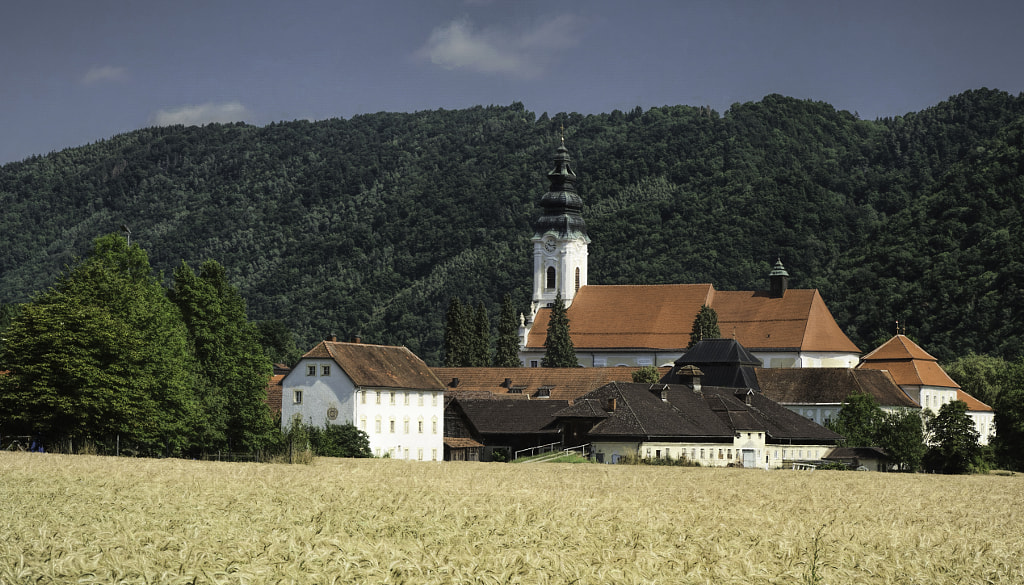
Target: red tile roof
x,y
908,363
562,383
661,316
377,366
973,404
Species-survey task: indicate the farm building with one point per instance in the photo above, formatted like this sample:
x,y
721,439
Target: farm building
x,y
386,391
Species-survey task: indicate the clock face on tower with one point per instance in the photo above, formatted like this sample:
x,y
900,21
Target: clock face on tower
x,y
549,244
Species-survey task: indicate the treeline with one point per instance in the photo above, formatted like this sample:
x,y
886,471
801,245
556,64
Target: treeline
x,y
370,226
109,360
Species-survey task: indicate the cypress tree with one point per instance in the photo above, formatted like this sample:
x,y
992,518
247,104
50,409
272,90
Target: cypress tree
x,y
705,326
558,349
506,355
455,347
481,336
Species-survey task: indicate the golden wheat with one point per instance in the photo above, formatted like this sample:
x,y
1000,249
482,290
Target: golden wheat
x,y
90,519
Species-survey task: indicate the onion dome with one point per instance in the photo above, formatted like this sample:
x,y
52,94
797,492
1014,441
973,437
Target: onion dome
x,y
562,204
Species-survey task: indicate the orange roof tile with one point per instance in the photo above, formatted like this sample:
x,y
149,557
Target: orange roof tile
x,y
562,383
908,363
973,404
661,316
899,347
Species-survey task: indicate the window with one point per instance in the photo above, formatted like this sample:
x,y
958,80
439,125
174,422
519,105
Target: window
x,y
728,454
362,397
433,426
378,396
406,394
376,452
533,363
702,453
577,279
419,425
376,426
433,399
297,397
392,398
551,277
325,370
405,426
419,454
362,423
433,454
419,398
406,453
391,424
311,370
720,455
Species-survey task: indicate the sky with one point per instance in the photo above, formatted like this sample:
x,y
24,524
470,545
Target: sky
x,y
73,72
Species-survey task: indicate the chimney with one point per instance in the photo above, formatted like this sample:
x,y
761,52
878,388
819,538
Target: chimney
x,y
332,337
454,383
357,339
507,383
778,281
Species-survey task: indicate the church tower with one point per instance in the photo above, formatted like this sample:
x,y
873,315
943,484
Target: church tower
x,y
559,239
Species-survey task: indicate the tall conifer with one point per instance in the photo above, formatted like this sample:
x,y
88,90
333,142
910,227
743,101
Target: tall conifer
x,y
506,354
558,349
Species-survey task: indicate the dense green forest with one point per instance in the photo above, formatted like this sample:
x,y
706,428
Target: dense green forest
x,y
369,226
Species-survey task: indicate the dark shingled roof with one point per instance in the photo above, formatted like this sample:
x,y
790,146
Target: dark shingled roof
x,y
564,383
831,386
713,413
377,366
490,416
724,362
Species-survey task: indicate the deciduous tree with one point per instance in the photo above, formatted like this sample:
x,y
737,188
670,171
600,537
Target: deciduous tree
x,y
954,440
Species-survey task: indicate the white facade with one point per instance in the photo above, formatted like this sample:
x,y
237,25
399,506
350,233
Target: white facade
x,y
612,358
401,423
747,449
559,266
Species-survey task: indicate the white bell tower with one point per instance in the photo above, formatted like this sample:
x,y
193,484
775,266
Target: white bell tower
x,y
560,239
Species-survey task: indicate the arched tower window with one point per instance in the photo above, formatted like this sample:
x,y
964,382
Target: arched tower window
x,y
551,277
577,279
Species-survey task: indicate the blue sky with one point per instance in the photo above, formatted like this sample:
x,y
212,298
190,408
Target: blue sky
x,y
77,71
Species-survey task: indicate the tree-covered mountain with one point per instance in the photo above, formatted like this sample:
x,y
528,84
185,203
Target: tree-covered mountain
x,y
369,226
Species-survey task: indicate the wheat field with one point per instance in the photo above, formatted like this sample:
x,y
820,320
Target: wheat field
x,y
85,519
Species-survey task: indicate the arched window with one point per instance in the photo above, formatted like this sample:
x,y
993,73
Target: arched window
x,y
551,277
577,279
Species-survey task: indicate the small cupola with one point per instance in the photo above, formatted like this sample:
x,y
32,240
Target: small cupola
x,y
778,280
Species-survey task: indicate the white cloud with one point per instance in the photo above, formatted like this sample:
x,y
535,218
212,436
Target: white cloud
x,y
208,113
524,53
104,73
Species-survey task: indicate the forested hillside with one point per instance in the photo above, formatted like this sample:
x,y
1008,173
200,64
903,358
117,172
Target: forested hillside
x,y
368,226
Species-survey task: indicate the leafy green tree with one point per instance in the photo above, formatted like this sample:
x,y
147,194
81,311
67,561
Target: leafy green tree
x,y
481,338
954,440
901,435
229,356
1009,418
646,375
558,349
858,420
506,355
979,375
278,342
705,326
343,440
102,357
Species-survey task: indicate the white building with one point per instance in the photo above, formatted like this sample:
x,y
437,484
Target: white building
x,y
924,381
385,391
